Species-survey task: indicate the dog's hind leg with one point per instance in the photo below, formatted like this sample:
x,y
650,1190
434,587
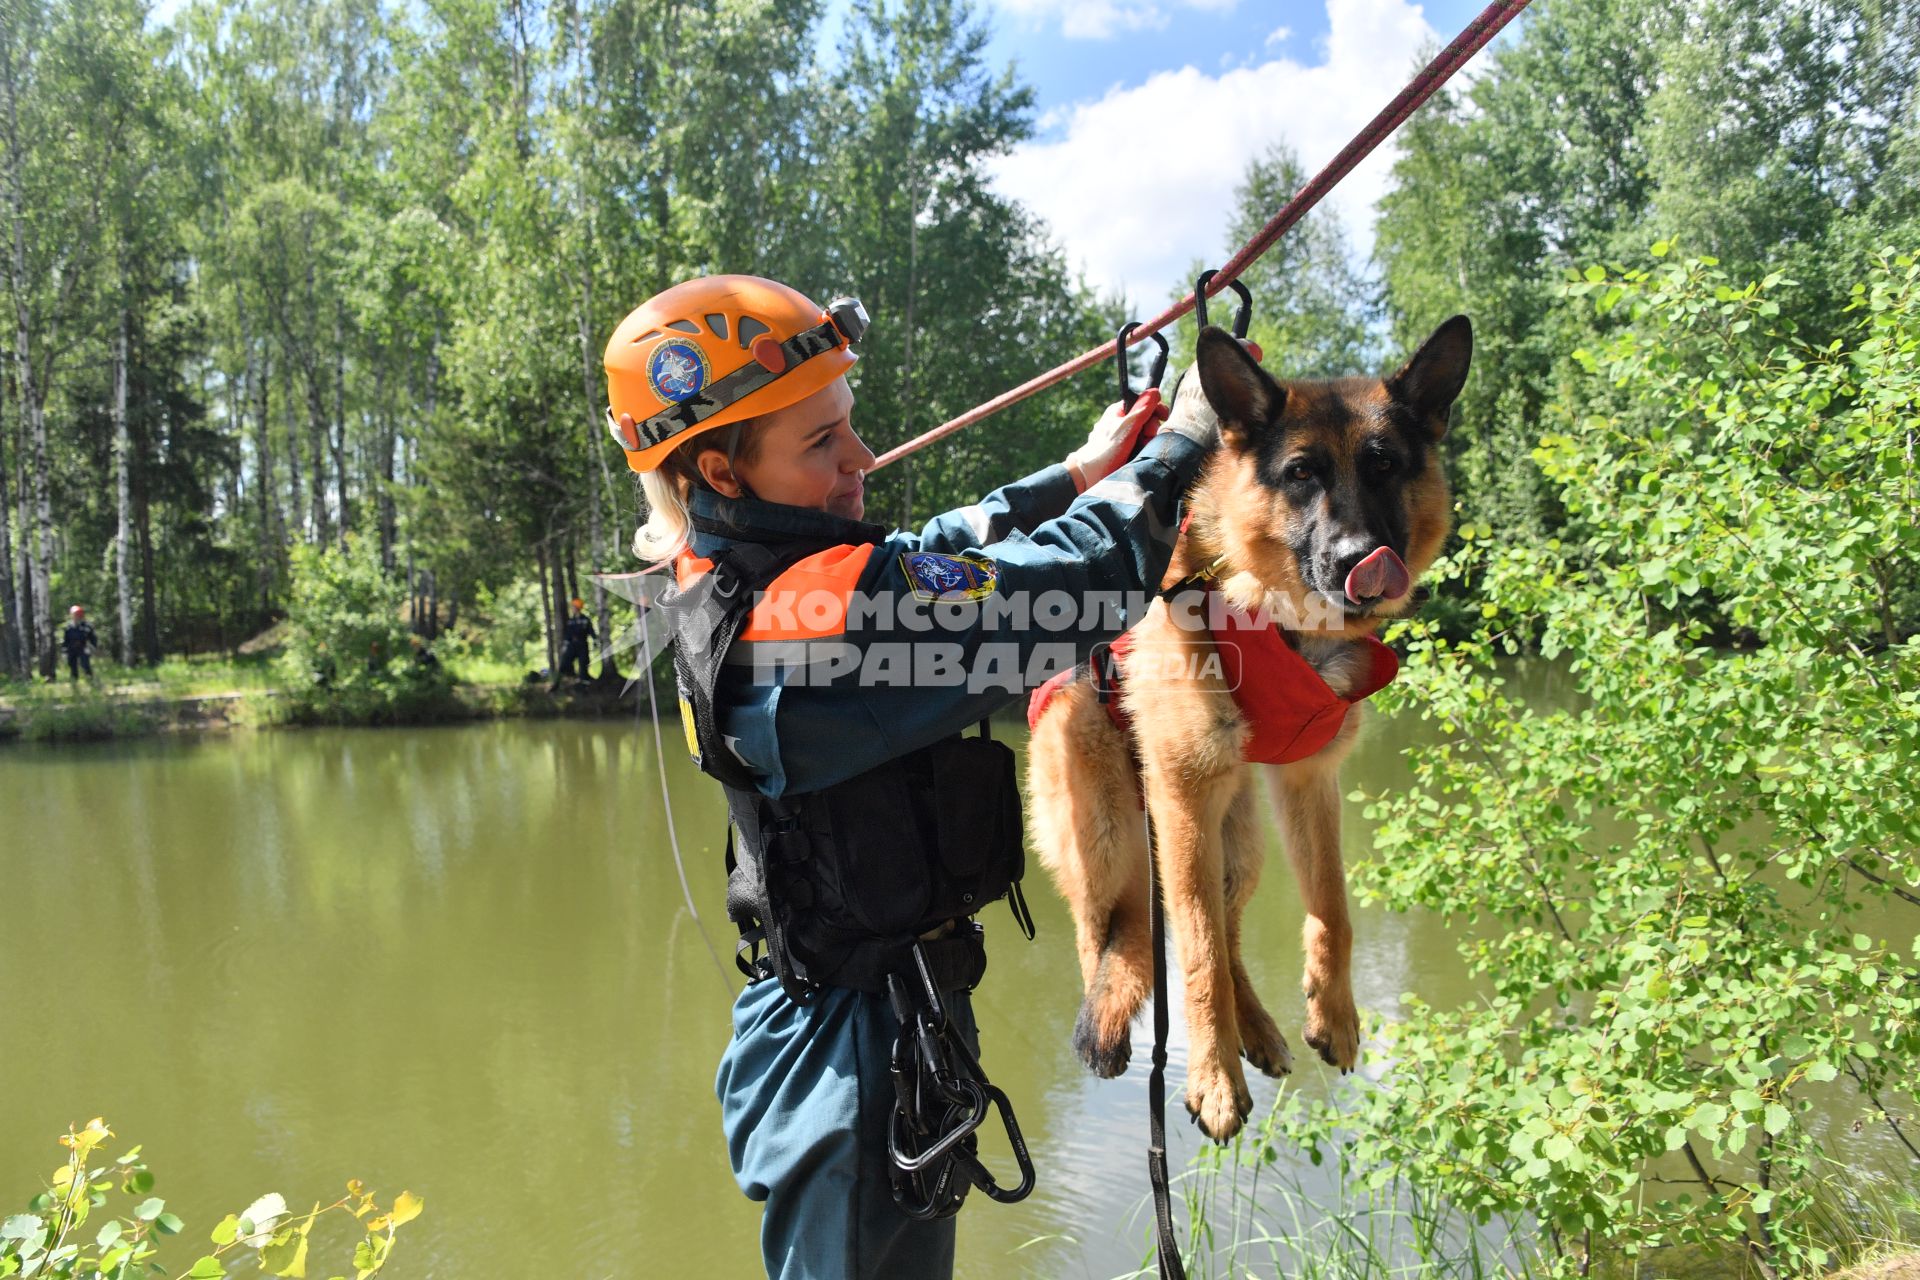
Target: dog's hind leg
x,y
1261,1041
1088,830
1307,795
1189,808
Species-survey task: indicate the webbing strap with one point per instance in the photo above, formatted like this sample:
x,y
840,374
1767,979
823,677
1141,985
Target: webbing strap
x,y
1167,1242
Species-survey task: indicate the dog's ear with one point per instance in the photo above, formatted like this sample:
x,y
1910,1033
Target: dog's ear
x,y
1430,382
1239,390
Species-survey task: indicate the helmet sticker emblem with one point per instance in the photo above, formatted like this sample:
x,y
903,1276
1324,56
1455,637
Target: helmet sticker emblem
x,y
678,371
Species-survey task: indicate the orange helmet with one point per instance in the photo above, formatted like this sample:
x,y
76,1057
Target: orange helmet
x,y
77,611
718,350
578,603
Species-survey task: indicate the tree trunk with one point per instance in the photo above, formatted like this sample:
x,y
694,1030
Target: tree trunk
x,y
21,602
122,444
273,530
289,416
545,582
433,605
13,657
150,607
36,504
337,438
384,462
317,445
590,382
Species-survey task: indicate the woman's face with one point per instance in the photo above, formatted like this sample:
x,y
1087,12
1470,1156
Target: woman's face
x,y
805,455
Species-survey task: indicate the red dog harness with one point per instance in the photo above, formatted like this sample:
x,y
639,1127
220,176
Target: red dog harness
x,y
1291,711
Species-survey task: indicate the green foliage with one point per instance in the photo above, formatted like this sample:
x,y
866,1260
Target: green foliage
x,y
1661,1013
513,624
1768,132
1312,307
344,616
134,1226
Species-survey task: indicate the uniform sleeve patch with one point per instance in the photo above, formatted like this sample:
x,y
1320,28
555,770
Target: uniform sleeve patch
x,y
939,577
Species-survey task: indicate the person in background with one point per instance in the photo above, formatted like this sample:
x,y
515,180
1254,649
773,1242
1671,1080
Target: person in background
x,y
79,640
574,635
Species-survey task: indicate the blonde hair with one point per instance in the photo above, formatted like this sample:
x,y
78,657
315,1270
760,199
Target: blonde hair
x,y
669,486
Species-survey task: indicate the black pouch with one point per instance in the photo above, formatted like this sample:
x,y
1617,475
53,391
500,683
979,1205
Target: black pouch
x,y
976,811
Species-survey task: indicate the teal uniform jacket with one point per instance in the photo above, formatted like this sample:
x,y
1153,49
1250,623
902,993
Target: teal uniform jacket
x,y
1071,570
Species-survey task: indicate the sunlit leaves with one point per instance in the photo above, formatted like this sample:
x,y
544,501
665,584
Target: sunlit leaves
x,y
47,1240
1664,878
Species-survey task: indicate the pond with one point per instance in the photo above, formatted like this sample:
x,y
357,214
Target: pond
x,y
459,961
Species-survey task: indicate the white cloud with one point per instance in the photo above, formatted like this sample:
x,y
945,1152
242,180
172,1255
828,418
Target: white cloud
x,y
1279,35
1141,181
1104,19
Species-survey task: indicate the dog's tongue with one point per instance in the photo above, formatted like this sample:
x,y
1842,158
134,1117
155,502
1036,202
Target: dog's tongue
x,y
1380,576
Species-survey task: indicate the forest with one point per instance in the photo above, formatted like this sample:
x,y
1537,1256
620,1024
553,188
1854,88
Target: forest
x,y
288,274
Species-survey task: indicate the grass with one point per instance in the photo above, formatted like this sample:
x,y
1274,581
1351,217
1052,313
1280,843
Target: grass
x,y
177,677
1250,1213
132,701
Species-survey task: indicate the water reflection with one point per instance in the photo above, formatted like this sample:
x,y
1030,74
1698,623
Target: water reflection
x,y
458,960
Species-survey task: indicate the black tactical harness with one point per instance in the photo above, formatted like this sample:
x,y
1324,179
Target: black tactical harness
x,y
867,884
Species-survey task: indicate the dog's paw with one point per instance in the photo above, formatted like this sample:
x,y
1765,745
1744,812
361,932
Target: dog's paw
x,y
1106,1056
1262,1044
1333,1028
1218,1101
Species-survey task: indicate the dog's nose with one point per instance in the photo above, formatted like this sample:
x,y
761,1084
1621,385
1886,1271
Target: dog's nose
x,y
1378,575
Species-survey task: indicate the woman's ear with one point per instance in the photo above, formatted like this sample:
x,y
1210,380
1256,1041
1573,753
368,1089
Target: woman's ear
x,y
717,472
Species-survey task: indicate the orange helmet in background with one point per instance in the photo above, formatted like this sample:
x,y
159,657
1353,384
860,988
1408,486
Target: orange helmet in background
x,y
719,350
77,611
578,603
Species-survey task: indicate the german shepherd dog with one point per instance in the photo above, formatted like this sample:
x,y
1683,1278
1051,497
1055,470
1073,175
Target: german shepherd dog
x,y
1325,501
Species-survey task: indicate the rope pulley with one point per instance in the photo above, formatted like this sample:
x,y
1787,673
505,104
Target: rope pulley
x,y
1127,394
1241,318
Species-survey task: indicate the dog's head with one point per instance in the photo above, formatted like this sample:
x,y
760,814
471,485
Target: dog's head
x,y
1331,492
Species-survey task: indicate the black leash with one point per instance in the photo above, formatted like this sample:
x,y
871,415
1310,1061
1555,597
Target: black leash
x,y
1169,1244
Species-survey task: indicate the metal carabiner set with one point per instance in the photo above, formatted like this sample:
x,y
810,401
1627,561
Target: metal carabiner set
x,y
941,1098
1123,368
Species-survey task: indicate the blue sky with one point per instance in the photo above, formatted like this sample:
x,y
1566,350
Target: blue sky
x,y
1151,109
1064,69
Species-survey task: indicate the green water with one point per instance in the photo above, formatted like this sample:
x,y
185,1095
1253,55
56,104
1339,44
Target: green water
x,y
458,961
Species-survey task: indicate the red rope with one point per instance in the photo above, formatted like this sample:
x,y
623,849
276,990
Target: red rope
x,y
1436,73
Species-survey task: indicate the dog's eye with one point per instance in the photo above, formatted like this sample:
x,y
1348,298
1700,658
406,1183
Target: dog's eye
x,y
1384,463
1299,472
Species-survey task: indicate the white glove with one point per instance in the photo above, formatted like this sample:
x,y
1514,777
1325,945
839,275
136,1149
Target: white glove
x,y
1113,438
1192,415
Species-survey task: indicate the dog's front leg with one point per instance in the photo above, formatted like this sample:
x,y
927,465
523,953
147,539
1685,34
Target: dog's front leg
x,y
1188,813
1307,794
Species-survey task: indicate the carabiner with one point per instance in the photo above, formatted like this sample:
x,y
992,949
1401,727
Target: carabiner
x,y
976,1111
1127,394
1241,318
977,1171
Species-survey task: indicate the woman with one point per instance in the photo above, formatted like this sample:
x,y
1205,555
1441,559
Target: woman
x,y
827,667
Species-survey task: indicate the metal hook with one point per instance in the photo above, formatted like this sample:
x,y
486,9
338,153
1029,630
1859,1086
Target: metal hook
x,y
1127,394
1241,318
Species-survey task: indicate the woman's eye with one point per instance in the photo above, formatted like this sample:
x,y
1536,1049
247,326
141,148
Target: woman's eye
x,y
823,441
